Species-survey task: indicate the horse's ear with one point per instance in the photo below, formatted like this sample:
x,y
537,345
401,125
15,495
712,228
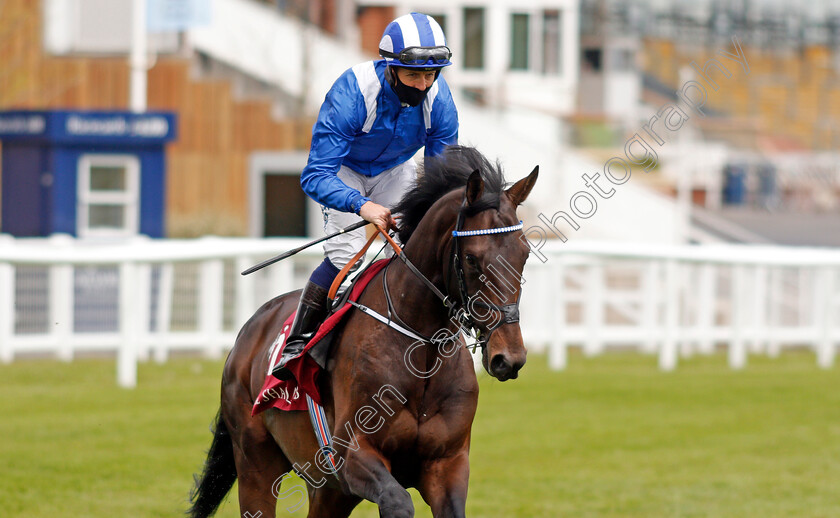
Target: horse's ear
x,y
475,187
521,189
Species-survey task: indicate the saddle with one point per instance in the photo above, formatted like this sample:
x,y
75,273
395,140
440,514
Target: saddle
x,y
290,394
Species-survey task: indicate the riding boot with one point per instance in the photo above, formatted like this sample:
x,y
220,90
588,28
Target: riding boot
x,y
310,312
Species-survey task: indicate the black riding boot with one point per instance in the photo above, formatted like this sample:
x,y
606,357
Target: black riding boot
x,y
310,312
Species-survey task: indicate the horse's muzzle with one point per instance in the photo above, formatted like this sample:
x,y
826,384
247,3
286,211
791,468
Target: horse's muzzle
x,y
504,368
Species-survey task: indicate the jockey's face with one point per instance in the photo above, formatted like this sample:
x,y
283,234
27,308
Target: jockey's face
x,y
419,79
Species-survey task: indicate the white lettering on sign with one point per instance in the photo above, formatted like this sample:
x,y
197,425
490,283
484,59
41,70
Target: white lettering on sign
x,y
24,124
147,127
150,127
111,126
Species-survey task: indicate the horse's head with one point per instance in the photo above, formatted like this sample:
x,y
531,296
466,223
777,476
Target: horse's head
x,y
489,255
468,241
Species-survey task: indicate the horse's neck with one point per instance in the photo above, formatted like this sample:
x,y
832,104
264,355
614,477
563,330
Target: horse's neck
x,y
413,300
409,366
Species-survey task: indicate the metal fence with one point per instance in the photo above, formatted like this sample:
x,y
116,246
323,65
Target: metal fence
x,y
145,299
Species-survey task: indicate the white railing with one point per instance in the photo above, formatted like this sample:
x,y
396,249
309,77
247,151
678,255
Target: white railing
x,y
682,300
148,298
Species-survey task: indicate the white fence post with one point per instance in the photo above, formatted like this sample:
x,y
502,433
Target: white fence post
x,y
758,336
650,307
210,300
142,305
7,308
774,312
127,352
558,344
244,291
805,303
737,348
282,278
61,300
825,342
706,307
668,349
685,347
163,312
594,295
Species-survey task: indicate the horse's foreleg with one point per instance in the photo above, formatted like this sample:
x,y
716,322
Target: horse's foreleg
x,y
367,475
443,485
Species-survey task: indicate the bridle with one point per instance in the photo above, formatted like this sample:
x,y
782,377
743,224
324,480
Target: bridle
x,y
460,310
509,312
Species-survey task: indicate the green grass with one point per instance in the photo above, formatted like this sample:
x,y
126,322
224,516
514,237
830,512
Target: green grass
x,y
609,437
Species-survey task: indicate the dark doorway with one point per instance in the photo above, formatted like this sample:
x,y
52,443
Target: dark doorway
x,y
285,206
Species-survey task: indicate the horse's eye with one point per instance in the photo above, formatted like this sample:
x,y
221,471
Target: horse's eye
x,y
472,262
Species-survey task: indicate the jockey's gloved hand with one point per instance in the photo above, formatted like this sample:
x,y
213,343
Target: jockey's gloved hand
x,y
378,215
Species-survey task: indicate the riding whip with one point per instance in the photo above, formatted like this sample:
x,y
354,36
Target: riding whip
x,y
290,253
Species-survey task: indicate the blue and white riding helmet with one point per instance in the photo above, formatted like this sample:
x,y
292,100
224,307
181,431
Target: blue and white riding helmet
x,y
415,41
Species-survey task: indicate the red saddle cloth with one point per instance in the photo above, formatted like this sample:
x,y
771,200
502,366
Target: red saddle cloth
x,y
289,394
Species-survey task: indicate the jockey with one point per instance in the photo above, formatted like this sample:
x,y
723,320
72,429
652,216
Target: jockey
x,y
375,117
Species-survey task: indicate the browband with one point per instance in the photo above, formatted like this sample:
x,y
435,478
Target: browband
x,y
485,231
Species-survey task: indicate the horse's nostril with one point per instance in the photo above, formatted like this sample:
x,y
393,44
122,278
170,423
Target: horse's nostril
x,y
499,366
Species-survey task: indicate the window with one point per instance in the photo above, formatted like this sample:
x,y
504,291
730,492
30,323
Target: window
x,y
551,42
591,60
519,42
474,38
109,193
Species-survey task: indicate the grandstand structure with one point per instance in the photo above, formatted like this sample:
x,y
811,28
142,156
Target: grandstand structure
x,y
793,94
764,149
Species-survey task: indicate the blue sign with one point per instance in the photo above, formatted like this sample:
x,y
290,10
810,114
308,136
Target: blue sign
x,y
42,154
89,127
176,15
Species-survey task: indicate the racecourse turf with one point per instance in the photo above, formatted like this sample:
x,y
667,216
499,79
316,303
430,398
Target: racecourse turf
x,y
608,437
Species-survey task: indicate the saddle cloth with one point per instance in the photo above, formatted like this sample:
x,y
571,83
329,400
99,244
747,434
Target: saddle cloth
x,y
289,394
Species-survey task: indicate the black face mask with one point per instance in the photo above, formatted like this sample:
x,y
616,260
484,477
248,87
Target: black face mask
x,y
407,94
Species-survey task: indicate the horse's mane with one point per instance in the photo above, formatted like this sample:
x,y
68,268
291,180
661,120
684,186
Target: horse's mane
x,y
442,174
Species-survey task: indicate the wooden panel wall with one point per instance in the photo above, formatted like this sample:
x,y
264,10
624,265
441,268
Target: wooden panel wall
x,y
207,165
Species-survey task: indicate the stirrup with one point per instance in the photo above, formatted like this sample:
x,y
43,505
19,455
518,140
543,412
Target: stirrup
x,y
280,371
294,347
310,313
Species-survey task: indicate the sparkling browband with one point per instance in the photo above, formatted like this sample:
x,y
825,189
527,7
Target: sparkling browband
x,y
502,230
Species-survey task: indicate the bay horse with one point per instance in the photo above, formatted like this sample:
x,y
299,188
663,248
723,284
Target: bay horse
x,y
400,410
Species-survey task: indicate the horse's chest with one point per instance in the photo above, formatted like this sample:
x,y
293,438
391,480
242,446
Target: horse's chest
x,y
433,431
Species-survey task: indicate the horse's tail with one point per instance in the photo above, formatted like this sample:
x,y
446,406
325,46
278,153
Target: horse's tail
x,y
218,476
